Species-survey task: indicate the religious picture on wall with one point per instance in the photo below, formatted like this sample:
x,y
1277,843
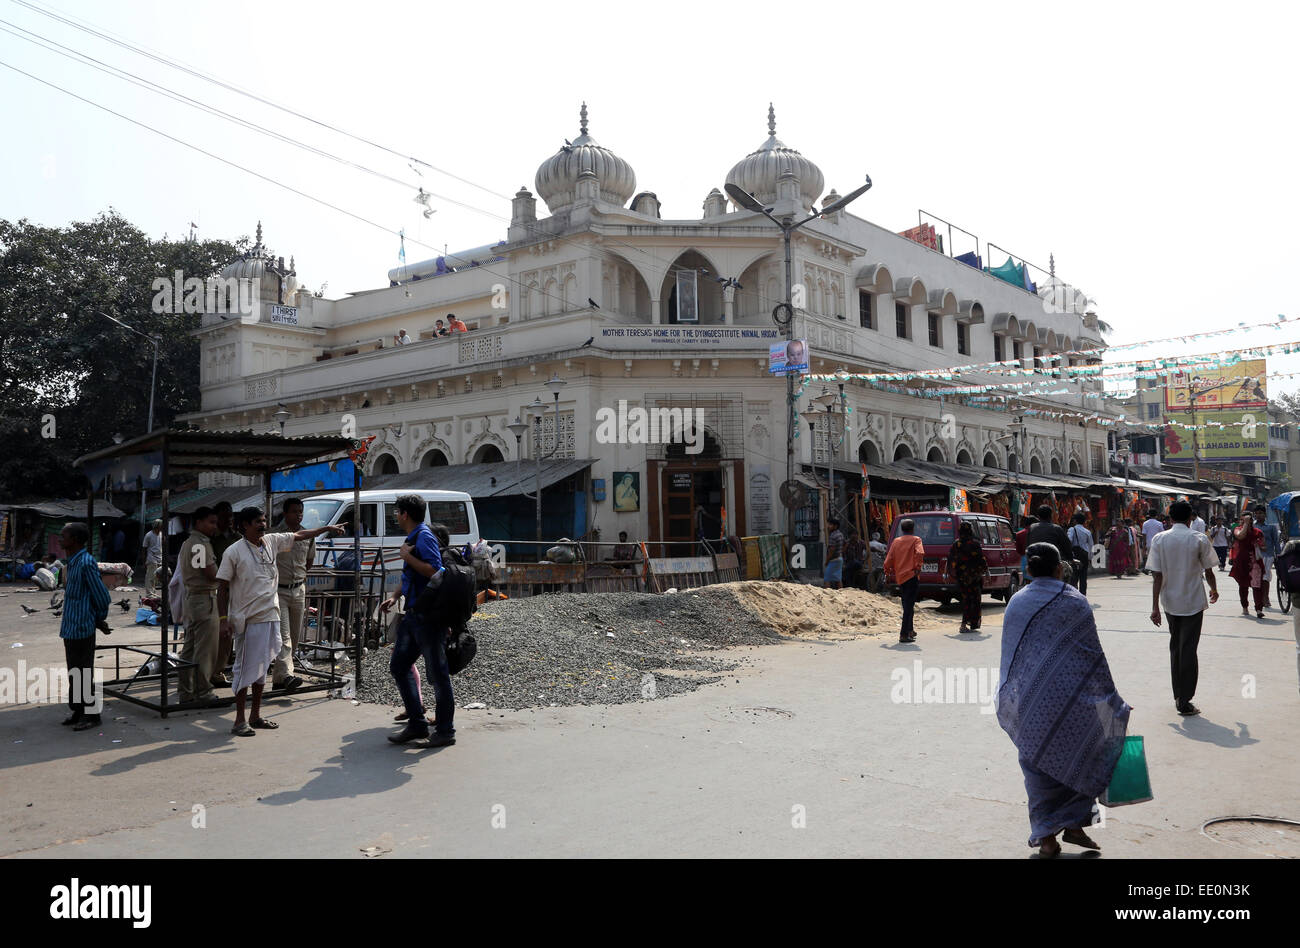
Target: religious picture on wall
x,y
687,297
627,491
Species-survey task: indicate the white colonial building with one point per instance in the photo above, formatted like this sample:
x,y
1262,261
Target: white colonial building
x,y
588,291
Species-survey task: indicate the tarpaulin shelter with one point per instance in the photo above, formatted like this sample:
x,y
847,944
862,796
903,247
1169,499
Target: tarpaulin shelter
x,y
1284,505
150,461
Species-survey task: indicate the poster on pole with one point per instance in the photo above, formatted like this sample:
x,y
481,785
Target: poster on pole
x,y
788,358
1228,387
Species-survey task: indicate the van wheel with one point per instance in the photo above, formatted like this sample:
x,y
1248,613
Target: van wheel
x,y
1012,588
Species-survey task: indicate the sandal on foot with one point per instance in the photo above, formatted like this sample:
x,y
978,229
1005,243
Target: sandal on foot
x,y
1077,837
262,724
1049,848
242,730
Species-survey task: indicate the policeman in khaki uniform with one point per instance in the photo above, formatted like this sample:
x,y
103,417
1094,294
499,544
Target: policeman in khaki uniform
x,y
292,566
198,565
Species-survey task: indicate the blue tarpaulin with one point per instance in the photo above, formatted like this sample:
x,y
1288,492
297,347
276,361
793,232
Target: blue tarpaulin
x,y
327,475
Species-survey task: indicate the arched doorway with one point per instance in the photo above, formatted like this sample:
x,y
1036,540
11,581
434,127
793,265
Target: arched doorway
x,y
433,458
902,452
1035,466
868,453
1074,466
1056,466
488,454
707,290
387,464
1013,462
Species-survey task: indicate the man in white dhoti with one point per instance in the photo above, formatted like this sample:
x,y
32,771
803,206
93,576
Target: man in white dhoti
x,y
248,605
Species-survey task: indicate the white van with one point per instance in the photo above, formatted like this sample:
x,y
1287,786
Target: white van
x,y
379,529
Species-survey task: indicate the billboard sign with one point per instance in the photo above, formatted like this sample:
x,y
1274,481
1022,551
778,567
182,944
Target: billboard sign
x,y
1237,386
1242,437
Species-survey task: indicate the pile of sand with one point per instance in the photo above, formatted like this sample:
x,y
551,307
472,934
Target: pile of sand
x,y
814,612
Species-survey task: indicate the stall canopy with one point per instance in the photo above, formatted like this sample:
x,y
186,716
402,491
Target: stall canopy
x,y
68,509
151,461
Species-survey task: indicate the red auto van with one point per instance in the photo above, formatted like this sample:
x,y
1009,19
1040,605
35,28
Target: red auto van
x,y
938,531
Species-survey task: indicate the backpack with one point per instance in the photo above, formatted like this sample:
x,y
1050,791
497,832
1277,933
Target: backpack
x,y
1288,570
449,605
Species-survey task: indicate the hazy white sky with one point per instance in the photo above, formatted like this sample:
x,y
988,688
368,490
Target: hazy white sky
x,y
1149,146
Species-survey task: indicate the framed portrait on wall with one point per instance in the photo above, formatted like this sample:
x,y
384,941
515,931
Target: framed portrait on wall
x,y
627,491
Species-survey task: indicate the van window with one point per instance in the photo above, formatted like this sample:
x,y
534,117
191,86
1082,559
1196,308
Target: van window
x,y
939,531
317,513
989,529
1004,534
369,520
450,513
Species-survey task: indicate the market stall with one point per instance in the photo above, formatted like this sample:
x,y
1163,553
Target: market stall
x,y
150,462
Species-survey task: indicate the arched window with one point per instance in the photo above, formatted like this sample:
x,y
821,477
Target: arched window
x,y
963,457
935,454
387,464
990,459
902,452
487,454
868,453
433,458
1035,466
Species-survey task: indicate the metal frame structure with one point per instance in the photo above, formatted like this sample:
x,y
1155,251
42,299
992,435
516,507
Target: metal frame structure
x,y
164,453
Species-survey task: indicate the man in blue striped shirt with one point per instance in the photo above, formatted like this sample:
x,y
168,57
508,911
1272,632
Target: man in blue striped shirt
x,y
85,605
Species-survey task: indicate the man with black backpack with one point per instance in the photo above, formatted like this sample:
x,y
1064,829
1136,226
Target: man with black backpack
x,y
423,565
445,607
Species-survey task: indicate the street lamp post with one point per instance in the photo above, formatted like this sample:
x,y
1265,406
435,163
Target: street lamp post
x,y
154,339
537,411
788,226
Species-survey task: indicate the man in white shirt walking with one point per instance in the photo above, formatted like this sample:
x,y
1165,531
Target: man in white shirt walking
x,y
1177,560
1198,524
1151,528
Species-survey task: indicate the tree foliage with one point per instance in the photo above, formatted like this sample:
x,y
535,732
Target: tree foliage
x,y
65,363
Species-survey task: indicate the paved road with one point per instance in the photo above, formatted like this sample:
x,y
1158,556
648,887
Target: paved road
x,y
803,752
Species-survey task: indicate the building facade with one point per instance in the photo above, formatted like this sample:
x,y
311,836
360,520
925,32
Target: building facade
x,y
587,290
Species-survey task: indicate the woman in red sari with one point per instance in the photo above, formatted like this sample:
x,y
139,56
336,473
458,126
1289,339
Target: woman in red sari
x,y
1247,560
1117,549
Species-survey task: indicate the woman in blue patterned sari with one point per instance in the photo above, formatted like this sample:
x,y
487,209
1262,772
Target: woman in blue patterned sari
x,y
1058,703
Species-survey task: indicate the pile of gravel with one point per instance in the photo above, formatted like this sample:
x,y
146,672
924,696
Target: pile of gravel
x,y
589,648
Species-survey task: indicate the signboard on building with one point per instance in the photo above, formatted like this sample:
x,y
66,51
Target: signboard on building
x,y
788,358
1237,386
284,315
635,337
924,235
1228,436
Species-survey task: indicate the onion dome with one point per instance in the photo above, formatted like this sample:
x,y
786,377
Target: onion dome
x,y
275,283
759,172
557,178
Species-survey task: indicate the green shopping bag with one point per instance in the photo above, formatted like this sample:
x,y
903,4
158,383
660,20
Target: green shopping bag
x,y
1130,782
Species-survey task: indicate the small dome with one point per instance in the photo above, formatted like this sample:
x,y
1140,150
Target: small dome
x,y
264,272
557,178
759,172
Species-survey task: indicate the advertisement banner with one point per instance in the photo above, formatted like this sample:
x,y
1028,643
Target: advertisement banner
x,y
788,358
1243,437
1237,386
